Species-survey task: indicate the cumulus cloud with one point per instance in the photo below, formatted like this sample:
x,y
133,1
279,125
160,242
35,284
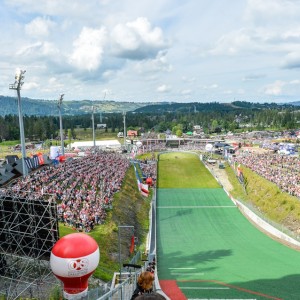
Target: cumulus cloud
x,y
241,40
163,88
280,88
271,10
39,27
88,49
30,86
155,65
291,61
137,40
266,29
274,89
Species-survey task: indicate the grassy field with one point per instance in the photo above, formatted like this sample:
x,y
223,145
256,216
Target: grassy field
x,y
267,200
182,170
81,135
100,134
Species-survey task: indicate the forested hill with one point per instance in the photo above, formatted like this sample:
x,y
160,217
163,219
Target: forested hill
x,y
37,107
207,107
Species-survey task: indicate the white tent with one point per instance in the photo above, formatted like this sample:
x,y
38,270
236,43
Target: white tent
x,y
104,144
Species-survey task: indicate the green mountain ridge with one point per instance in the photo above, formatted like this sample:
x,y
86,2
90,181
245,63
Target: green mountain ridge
x,y
39,107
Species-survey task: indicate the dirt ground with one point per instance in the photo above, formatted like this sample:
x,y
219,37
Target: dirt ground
x,y
221,175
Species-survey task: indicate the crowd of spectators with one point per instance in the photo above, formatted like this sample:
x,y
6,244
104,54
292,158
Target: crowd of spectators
x,y
83,187
153,147
164,147
283,170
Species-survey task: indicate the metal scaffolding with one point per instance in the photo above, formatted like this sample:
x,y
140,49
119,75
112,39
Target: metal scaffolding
x,y
28,231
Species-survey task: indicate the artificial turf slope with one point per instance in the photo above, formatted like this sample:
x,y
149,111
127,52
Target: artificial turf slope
x,y
210,249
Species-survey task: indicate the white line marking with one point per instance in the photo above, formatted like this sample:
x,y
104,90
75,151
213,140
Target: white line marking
x,y
203,288
182,268
187,274
220,206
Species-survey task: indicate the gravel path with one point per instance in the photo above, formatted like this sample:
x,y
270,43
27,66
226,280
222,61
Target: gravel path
x,y
222,176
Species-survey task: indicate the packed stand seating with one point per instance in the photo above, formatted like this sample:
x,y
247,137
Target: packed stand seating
x,y
154,147
83,187
192,146
283,170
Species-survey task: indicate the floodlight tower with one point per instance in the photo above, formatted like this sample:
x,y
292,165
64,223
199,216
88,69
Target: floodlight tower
x,y
17,85
93,125
124,121
100,110
59,104
101,117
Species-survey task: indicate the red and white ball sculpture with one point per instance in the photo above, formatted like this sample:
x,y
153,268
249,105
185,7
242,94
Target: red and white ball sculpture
x,y
73,260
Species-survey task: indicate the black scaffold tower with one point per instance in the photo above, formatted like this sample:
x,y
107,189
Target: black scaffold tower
x,y
28,231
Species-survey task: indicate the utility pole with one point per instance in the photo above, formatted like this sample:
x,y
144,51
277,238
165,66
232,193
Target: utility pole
x,y
124,121
93,125
17,85
62,143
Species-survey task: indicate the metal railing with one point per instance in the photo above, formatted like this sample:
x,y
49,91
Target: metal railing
x,y
124,289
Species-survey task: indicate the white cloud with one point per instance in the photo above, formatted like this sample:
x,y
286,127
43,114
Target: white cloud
x,y
228,92
158,64
211,86
30,86
137,39
240,41
88,49
124,46
271,10
186,92
274,89
163,88
188,79
39,27
296,81
291,61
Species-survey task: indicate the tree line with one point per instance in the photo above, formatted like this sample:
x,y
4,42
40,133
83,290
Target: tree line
x,y
216,121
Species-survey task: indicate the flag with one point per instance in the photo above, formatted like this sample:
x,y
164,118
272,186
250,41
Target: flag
x,y
132,245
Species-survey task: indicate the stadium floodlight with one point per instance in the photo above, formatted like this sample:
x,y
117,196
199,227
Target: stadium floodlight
x,y
124,121
93,127
59,104
17,85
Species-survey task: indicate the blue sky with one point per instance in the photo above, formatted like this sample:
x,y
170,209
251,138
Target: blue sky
x,y
158,50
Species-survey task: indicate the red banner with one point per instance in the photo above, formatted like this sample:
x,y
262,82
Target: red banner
x,y
132,245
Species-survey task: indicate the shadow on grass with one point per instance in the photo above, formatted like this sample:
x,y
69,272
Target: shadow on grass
x,y
189,261
286,288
